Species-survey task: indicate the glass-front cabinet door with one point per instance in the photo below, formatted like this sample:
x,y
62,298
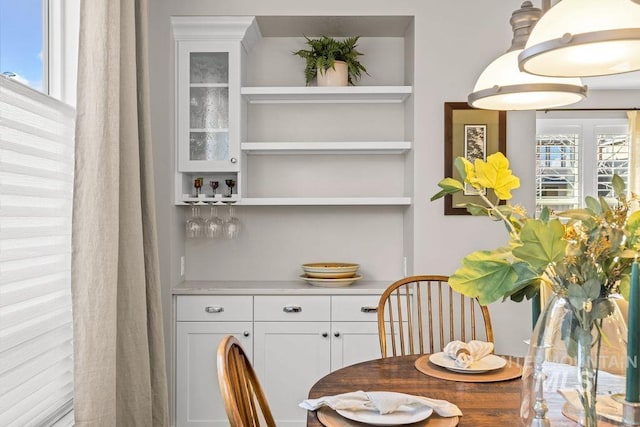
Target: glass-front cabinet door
x,y
208,106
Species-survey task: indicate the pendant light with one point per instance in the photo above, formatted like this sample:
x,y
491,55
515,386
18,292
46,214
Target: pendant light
x,y
585,38
502,86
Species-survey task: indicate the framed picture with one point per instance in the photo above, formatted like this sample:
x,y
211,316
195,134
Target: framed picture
x,y
473,134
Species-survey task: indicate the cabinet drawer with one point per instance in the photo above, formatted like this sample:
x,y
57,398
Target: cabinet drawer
x,y
354,308
214,308
292,308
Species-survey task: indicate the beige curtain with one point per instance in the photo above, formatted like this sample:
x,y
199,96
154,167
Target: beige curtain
x,y
634,166
119,362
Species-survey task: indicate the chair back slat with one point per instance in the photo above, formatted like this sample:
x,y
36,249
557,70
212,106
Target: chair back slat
x,y
420,314
244,399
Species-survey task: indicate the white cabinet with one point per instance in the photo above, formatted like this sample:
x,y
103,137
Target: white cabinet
x,y
293,339
202,322
289,358
299,339
208,84
209,51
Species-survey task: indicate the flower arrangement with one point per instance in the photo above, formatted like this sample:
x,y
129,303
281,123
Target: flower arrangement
x,y
584,257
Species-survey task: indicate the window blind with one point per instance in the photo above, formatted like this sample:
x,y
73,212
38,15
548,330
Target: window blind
x,y
36,183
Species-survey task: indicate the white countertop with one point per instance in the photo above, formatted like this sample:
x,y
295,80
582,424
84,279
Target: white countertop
x,y
284,287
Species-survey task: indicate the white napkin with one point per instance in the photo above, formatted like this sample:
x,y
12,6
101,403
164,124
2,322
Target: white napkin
x,y
384,403
606,405
466,353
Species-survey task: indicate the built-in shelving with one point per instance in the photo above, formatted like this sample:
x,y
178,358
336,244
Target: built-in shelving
x,y
315,94
325,201
318,147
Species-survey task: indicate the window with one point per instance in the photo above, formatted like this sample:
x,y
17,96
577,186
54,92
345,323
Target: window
x,y
577,156
36,172
22,51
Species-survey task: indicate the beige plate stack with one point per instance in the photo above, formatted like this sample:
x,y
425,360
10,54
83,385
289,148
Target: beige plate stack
x,y
330,274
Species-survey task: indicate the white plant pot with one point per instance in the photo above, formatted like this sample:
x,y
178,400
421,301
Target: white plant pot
x,y
334,77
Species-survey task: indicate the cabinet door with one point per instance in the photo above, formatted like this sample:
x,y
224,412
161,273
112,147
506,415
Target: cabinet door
x,y
353,342
198,400
289,358
208,106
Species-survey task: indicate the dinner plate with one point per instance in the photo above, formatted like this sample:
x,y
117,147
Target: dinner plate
x,y
405,414
330,283
486,364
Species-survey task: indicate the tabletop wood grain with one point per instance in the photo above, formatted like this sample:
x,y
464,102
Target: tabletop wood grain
x,y
483,404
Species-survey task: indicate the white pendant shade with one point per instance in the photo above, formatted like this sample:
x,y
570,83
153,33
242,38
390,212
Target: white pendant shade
x,y
502,86
585,38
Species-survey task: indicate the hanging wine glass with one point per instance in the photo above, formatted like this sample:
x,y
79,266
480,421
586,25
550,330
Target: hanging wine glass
x,y
214,225
195,224
197,183
232,224
230,184
214,186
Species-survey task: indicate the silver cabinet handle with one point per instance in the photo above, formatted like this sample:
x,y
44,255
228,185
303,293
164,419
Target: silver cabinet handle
x,y
336,334
233,160
369,309
324,334
292,309
245,333
214,309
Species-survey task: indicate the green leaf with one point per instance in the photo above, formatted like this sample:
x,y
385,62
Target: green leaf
x,y
632,227
544,215
459,165
593,205
486,275
476,210
605,206
592,288
542,243
602,308
618,185
577,295
449,186
625,286
577,214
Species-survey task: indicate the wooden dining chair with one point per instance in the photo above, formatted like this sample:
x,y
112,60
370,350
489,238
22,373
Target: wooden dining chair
x,y
244,400
421,314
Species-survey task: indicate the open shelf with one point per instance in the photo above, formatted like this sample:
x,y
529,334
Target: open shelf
x,y
316,94
352,147
325,201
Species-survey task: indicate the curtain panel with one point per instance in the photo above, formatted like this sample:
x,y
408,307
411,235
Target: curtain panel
x,y
120,376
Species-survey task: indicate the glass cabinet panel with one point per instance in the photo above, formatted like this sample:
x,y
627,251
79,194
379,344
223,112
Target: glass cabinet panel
x,y
208,106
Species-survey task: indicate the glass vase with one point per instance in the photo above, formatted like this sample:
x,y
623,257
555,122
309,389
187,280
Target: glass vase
x,y
579,350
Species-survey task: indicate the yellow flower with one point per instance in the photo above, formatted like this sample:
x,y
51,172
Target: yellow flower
x,y
495,174
469,172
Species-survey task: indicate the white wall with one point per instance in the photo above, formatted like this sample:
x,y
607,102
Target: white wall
x,y
454,41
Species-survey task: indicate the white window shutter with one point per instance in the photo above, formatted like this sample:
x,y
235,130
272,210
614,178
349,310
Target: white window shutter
x,y
36,184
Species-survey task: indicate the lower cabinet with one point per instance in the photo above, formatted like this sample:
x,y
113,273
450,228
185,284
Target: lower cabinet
x,y
294,340
198,400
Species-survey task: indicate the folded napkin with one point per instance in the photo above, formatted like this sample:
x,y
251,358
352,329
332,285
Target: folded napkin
x,y
383,402
466,353
606,405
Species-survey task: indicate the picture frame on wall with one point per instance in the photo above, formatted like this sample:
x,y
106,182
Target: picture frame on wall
x,y
473,134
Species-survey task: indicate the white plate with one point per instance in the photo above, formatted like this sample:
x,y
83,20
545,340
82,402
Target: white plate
x,y
330,283
487,363
403,415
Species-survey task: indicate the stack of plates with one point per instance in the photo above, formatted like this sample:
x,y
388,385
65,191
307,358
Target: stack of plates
x,y
330,274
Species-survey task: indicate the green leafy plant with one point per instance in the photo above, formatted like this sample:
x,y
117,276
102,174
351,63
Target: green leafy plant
x,y
581,254
325,51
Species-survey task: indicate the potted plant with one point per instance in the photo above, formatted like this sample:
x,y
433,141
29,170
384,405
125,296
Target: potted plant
x,y
327,55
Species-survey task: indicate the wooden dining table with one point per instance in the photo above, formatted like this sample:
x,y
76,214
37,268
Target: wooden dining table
x,y
483,404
